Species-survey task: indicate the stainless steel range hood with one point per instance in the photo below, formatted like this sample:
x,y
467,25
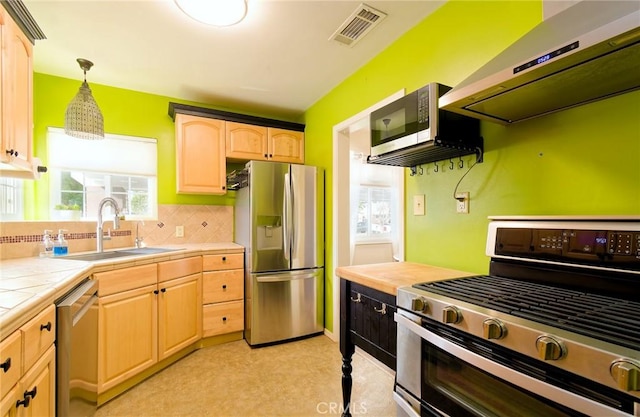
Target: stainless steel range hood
x,y
587,52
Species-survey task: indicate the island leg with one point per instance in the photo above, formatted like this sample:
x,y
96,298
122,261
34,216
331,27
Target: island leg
x,y
347,382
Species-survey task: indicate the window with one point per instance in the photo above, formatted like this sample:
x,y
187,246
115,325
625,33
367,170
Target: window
x,y
375,200
121,167
11,199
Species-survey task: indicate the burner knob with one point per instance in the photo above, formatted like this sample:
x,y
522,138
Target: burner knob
x,y
626,373
419,304
493,329
451,314
550,348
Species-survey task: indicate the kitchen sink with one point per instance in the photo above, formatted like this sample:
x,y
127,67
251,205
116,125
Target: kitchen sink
x,y
97,256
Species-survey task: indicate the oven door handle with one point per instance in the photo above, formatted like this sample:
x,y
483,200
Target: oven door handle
x,y
558,395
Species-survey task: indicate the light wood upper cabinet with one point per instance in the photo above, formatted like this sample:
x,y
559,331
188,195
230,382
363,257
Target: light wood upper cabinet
x,y
200,155
258,143
246,142
16,115
286,145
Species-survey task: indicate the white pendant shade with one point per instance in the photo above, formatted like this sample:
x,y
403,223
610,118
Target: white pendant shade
x,y
214,12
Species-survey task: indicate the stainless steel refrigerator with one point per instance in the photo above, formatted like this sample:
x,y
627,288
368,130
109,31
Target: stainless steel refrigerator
x,y
279,219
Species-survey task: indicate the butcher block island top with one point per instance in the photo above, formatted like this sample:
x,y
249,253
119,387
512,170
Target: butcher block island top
x,y
388,277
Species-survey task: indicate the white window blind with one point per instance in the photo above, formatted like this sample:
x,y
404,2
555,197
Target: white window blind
x,y
83,172
115,154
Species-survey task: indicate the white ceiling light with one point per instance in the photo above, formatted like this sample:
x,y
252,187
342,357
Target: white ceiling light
x,y
214,12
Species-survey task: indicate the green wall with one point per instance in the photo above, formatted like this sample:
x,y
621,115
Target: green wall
x,y
581,161
125,112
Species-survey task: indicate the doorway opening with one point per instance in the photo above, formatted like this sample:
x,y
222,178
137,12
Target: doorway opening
x,y
366,221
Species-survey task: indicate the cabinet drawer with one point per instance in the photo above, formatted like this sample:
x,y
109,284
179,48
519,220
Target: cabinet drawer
x,y
126,279
221,286
224,261
179,268
11,360
222,318
37,335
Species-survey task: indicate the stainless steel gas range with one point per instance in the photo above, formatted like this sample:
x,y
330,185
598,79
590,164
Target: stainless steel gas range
x,y
554,329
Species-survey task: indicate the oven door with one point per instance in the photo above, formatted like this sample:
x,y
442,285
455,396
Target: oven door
x,y
458,376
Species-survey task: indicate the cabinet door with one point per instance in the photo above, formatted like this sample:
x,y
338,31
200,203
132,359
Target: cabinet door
x,y
246,142
286,146
8,403
17,94
180,314
200,155
11,361
127,335
39,385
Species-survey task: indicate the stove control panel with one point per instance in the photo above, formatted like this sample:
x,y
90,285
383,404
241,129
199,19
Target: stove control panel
x,y
597,247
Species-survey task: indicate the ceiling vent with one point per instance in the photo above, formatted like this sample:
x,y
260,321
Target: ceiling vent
x,y
361,21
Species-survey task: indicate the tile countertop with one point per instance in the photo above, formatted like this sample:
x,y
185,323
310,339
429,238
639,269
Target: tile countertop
x,y
27,285
388,277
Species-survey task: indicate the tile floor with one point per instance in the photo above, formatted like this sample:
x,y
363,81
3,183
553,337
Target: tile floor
x,y
301,378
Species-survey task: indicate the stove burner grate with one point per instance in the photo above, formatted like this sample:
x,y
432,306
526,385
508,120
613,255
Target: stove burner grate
x,y
602,317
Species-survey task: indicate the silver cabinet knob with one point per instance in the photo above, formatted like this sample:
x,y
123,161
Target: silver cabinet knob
x,y
493,329
550,348
419,304
626,373
451,314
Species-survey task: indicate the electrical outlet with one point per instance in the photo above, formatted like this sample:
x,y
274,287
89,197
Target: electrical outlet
x,y
418,205
462,202
179,231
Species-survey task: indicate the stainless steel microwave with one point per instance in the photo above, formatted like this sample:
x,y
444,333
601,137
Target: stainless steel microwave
x,y
415,122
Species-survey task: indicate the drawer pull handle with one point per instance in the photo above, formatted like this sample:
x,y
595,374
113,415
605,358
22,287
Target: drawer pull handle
x,y
6,365
382,310
31,393
224,287
25,402
224,259
163,290
156,291
224,319
358,299
46,326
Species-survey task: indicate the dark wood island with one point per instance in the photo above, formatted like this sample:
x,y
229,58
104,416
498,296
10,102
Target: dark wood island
x,y
367,306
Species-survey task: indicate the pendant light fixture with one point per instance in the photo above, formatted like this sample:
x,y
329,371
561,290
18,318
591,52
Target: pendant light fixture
x,y
214,12
83,118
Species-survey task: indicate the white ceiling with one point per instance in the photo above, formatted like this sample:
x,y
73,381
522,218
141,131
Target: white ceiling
x,y
277,62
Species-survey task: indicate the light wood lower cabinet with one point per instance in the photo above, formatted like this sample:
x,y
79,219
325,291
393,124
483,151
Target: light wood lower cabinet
x,y
27,379
127,335
222,294
146,313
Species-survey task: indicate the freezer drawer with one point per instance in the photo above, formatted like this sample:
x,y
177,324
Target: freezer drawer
x,y
283,306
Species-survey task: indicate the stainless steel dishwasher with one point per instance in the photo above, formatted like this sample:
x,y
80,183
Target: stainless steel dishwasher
x,y
77,351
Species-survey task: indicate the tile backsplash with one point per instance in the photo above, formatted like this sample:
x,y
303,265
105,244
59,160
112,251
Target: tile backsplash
x,y
202,224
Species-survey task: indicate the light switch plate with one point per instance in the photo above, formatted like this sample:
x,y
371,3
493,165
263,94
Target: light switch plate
x,y
179,231
418,205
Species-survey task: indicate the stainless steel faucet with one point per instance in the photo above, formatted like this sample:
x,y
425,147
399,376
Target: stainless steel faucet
x,y
116,219
139,242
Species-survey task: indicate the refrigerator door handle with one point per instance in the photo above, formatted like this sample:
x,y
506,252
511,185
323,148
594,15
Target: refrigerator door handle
x,y
284,277
286,223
